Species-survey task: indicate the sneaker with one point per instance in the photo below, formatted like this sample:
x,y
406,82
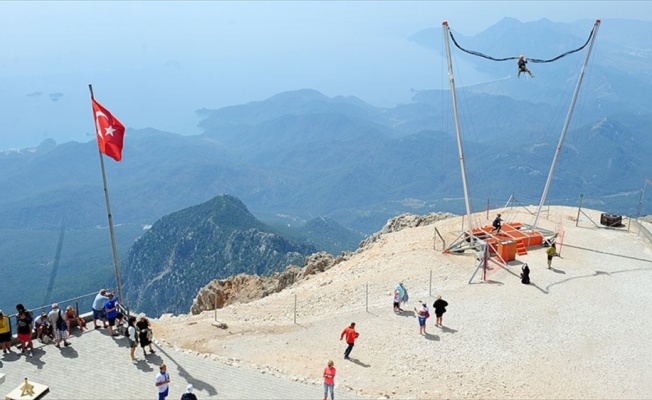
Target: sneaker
x,y
152,351
31,354
134,361
58,346
66,344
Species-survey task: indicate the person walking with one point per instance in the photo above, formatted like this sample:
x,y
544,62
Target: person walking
x,y
98,308
551,252
351,336
162,382
329,379
133,338
422,315
440,308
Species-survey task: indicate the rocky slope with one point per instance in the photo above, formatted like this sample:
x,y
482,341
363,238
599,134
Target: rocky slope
x,y
244,288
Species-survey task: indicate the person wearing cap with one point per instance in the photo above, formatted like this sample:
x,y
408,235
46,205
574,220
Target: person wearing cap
x,y
188,394
43,327
98,308
422,315
5,333
162,382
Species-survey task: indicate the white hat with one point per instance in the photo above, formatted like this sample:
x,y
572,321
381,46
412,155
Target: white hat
x,y
189,388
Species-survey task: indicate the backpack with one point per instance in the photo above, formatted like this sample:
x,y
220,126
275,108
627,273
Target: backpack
x,y
61,324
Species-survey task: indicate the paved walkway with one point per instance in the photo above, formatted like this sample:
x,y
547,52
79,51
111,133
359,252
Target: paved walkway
x,y
97,366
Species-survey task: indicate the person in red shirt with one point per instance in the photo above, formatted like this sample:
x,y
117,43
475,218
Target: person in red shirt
x,y
351,335
329,379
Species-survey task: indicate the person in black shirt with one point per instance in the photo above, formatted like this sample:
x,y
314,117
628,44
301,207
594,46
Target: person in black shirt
x,y
440,308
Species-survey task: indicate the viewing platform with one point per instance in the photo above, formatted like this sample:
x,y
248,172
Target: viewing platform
x,y
98,366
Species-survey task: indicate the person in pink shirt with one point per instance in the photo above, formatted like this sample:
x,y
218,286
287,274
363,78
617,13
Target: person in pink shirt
x,y
329,379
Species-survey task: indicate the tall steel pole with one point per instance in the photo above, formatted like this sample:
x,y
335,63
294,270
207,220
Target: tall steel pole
x,y
451,80
566,124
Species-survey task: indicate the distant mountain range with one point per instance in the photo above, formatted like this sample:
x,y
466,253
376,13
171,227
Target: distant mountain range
x,y
301,156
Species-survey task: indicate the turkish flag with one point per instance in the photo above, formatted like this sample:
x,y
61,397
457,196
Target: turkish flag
x,y
109,130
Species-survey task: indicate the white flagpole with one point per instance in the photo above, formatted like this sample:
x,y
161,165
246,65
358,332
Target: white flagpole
x,y
110,217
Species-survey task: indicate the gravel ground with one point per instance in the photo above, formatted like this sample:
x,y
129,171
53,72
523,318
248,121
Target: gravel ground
x,y
580,330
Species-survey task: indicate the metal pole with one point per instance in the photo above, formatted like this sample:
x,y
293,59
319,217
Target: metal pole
x,y
451,80
366,296
110,217
577,220
566,124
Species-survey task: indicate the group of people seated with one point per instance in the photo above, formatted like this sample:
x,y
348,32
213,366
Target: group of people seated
x,y
45,331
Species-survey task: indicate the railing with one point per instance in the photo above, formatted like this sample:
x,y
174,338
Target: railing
x,y
62,306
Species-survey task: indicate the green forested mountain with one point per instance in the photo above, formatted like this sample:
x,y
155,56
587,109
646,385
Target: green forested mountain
x,y
184,251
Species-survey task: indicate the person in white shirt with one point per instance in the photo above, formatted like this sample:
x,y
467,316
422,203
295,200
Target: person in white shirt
x,y
162,382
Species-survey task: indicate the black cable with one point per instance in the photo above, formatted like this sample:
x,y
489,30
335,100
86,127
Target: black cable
x,y
533,60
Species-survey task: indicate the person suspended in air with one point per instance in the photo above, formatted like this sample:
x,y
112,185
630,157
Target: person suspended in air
x,y
522,68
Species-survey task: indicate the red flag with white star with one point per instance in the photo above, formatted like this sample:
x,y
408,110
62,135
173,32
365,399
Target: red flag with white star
x,y
109,131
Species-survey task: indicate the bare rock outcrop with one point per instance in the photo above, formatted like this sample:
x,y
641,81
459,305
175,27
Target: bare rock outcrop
x,y
245,288
404,221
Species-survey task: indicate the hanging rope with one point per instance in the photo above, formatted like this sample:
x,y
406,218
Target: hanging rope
x,y
533,60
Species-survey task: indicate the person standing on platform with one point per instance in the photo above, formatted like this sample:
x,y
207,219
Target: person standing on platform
x,y
162,382
5,333
98,308
112,313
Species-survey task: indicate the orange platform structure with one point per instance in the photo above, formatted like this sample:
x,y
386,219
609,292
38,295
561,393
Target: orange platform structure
x,y
513,239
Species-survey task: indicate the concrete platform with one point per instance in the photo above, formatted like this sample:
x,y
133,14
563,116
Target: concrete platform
x,y
80,371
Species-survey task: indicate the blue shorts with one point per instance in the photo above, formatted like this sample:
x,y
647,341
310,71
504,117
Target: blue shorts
x,y
98,314
422,321
163,395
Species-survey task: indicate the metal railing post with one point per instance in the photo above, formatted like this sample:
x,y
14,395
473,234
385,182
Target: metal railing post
x,y
295,308
366,296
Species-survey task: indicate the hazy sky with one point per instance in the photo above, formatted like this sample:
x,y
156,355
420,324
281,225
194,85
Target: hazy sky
x,y
154,63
